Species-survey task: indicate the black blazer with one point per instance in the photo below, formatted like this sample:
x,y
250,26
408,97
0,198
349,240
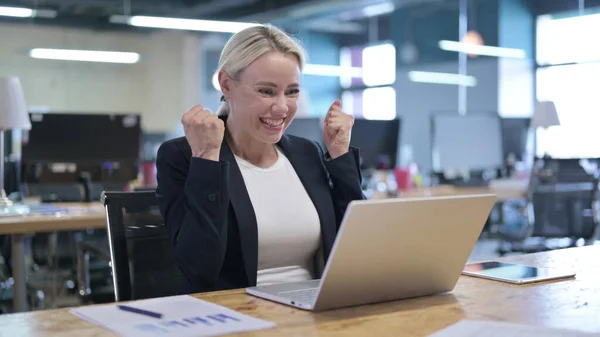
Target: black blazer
x,y
210,218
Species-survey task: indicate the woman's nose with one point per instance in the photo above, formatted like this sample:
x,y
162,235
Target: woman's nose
x,y
280,105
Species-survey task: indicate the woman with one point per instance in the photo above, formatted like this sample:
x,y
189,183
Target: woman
x,y
244,204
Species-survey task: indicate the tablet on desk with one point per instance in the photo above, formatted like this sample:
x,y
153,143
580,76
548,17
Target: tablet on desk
x,y
514,273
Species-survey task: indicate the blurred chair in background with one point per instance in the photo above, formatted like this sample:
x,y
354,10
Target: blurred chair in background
x,y
562,203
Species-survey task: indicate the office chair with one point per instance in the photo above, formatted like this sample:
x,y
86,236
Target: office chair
x,y
54,254
563,202
94,273
143,263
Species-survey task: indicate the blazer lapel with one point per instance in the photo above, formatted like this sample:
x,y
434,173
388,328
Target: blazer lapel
x,y
244,213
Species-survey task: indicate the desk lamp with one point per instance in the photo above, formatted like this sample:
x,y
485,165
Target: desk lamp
x,y
13,115
545,116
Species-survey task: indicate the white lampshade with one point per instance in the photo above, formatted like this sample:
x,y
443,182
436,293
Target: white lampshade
x,y
545,115
13,110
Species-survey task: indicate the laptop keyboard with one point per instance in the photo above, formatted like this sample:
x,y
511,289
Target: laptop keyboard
x,y
301,295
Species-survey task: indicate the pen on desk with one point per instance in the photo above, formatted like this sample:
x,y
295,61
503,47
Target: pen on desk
x,y
140,311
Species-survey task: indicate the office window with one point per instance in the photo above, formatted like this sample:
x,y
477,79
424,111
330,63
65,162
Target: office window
x,y
378,64
377,103
370,96
567,39
574,90
562,45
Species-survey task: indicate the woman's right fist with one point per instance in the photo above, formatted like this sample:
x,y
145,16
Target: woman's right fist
x,y
204,132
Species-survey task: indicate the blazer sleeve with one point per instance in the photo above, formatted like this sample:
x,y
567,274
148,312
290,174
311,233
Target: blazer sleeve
x,y
345,180
193,198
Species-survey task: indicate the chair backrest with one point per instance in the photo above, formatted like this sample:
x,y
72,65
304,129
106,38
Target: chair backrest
x,y
564,197
143,264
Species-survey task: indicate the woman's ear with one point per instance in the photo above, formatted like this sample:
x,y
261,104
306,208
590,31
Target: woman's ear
x,y
225,83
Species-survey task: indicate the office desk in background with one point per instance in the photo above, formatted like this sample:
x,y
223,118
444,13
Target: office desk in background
x,y
571,304
503,192
79,216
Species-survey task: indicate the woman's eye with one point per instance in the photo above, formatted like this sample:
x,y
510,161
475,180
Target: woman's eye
x,y
294,92
266,91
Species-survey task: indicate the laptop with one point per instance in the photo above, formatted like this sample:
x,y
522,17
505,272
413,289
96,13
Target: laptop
x,y
391,249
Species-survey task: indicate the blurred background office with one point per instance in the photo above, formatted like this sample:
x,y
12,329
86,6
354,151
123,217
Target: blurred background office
x,y
450,97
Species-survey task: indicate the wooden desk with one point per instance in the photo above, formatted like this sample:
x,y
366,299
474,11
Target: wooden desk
x,y
447,190
573,304
79,216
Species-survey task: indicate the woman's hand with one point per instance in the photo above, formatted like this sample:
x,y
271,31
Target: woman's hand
x,y
336,130
204,132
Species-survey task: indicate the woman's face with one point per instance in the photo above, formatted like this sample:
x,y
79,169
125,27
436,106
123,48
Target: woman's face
x,y
264,100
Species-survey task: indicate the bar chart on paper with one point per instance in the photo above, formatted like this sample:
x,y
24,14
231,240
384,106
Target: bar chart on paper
x,y
178,316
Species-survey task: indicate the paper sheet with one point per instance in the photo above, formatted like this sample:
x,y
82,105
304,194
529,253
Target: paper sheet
x,y
469,328
183,316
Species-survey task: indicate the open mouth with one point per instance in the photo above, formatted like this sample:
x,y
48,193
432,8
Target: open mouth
x,y
272,123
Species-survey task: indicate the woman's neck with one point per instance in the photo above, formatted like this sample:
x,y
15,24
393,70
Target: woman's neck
x,y
242,145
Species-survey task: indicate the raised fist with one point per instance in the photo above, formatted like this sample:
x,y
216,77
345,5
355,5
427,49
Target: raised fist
x,y
204,132
337,127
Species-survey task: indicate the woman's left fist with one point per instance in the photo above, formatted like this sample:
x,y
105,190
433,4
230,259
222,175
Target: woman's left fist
x,y
336,130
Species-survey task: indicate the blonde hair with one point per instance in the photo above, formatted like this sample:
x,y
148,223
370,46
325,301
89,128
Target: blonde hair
x,y
245,46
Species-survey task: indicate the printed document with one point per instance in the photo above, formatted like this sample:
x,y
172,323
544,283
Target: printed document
x,y
177,316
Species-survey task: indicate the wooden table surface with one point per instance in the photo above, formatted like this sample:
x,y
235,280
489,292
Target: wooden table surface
x,y
80,216
502,193
572,304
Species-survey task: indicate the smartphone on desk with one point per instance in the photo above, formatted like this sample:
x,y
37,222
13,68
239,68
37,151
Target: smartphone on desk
x,y
515,273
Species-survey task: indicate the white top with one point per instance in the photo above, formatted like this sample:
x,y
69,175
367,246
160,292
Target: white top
x,y
289,229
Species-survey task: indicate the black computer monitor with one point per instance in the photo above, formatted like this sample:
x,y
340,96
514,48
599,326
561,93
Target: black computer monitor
x,y
514,136
306,127
82,138
378,142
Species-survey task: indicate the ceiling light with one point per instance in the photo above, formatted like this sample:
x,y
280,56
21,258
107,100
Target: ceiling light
x,y
328,70
379,9
482,50
84,55
17,12
182,24
442,78
20,12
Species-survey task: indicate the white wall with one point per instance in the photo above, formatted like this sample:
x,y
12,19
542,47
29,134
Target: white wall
x,y
416,102
162,86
